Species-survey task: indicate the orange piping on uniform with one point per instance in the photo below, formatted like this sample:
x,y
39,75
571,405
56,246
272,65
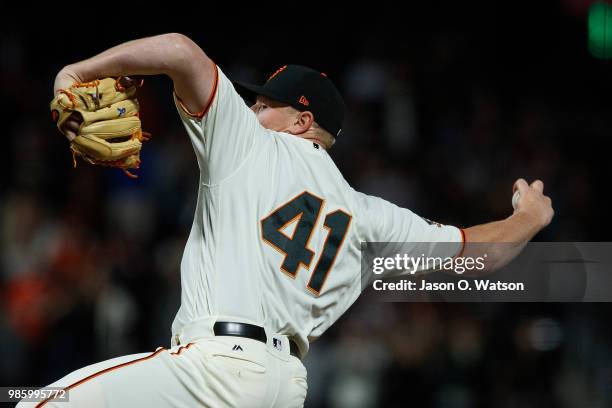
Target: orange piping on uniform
x,y
200,115
106,370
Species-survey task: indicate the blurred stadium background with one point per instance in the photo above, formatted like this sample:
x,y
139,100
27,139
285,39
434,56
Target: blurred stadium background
x,y
448,104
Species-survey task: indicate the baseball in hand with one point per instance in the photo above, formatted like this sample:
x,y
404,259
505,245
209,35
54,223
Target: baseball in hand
x,y
515,199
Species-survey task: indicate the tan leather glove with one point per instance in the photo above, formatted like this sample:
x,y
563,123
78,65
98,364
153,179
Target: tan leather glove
x,y
110,133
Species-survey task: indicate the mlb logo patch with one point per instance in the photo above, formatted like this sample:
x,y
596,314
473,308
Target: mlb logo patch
x,y
277,343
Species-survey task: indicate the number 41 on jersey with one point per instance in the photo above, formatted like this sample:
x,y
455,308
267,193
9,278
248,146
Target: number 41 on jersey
x,y
304,209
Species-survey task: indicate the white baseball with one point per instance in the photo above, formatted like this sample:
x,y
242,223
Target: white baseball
x,y
515,199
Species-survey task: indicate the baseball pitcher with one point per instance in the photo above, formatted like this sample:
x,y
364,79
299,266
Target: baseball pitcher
x,y
273,256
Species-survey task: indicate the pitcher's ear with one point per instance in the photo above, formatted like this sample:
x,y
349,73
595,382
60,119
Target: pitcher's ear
x,y
303,122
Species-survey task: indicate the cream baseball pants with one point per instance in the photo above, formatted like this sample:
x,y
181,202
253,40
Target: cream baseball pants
x,y
219,371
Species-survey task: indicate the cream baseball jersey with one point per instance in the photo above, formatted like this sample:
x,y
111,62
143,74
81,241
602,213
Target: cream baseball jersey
x,y
277,230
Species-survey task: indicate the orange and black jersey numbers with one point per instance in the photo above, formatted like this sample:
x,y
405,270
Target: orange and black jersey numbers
x,y
304,209
337,224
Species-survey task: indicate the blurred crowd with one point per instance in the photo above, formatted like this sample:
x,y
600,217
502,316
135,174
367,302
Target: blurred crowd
x,y
438,122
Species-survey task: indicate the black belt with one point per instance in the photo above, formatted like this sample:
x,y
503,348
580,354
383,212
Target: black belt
x,y
249,331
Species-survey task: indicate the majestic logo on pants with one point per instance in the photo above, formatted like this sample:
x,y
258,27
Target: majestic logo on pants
x,y
277,343
237,347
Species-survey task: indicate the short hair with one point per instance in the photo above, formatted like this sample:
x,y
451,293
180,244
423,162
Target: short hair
x,y
326,137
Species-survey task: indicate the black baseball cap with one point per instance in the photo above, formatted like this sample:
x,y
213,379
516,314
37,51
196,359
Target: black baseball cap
x,y
306,90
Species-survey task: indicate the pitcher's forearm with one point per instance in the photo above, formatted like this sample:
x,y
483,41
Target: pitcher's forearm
x,y
193,74
162,54
519,227
501,240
